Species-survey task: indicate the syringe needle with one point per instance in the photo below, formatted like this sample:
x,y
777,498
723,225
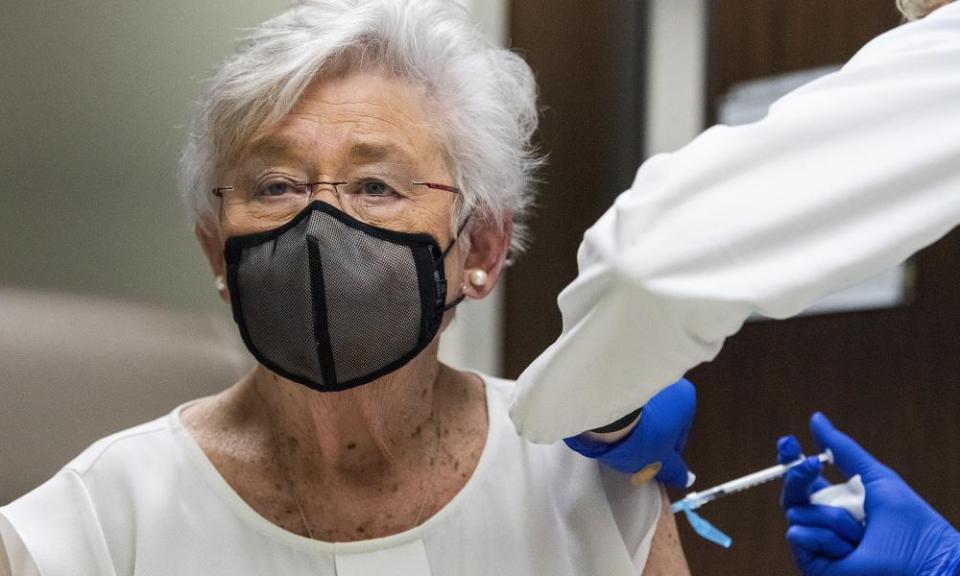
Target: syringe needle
x,y
694,500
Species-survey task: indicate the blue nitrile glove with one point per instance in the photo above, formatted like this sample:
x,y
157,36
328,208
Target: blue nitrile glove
x,y
660,436
903,535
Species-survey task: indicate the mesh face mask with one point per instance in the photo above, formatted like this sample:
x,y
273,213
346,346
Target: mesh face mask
x,y
331,302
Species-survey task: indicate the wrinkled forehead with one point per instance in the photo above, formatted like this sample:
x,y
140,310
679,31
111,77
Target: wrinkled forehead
x,y
357,117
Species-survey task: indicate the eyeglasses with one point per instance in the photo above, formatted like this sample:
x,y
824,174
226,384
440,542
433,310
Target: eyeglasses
x,y
276,201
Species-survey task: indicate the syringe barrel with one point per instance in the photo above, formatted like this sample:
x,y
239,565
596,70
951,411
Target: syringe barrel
x,y
754,479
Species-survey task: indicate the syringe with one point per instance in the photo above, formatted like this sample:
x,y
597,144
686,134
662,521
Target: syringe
x,y
694,500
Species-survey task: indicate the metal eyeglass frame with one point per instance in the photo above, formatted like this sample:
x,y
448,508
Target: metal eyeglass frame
x,y
218,192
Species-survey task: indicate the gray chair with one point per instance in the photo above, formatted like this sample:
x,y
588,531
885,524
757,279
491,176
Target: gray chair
x,y
74,369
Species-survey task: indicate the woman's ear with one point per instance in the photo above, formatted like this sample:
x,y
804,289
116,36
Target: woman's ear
x,y
489,245
213,249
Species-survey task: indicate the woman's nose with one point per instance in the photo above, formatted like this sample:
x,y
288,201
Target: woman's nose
x,y
328,191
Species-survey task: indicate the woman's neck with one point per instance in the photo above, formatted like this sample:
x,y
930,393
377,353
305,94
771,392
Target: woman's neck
x,y
342,466
374,429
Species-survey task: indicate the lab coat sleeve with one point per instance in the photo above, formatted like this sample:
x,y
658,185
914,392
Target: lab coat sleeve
x,y
845,177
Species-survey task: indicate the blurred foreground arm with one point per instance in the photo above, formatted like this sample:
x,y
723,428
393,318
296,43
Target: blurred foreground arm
x,y
844,178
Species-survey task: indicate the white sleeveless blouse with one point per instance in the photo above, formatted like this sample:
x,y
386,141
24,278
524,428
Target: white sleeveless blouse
x,y
147,501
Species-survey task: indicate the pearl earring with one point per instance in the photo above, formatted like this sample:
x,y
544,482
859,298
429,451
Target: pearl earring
x,y
478,278
220,283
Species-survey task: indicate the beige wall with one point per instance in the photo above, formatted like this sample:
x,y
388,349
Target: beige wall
x,y
94,102
676,73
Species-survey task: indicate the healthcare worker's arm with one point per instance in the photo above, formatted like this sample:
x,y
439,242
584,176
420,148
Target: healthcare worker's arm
x,y
844,178
902,533
657,440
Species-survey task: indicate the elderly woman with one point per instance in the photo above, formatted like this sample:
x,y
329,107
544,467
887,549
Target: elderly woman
x,y
359,168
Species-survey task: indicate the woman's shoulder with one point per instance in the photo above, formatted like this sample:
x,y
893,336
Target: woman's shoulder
x,y
590,497
99,486
139,444
114,463
546,459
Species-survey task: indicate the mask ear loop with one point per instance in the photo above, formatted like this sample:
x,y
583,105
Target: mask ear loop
x,y
453,241
457,235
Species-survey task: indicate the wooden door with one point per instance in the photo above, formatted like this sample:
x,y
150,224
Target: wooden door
x,y
588,59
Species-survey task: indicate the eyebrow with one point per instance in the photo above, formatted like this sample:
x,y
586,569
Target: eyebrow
x,y
271,146
371,153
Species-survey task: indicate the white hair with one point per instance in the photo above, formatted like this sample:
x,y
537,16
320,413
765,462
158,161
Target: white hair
x,y
917,9
484,96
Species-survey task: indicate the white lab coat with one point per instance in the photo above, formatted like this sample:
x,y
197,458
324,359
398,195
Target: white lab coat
x,y
845,177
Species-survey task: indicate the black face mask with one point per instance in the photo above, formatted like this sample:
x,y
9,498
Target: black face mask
x,y
331,302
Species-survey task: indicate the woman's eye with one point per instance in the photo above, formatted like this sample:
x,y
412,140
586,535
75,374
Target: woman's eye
x,y
277,188
375,188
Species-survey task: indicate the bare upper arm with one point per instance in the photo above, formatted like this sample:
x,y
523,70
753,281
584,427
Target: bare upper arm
x,y
666,554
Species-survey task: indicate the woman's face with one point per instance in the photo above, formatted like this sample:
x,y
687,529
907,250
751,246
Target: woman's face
x,y
362,128
374,132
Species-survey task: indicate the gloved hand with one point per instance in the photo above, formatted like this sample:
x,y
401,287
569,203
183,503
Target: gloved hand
x,y
660,436
903,535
